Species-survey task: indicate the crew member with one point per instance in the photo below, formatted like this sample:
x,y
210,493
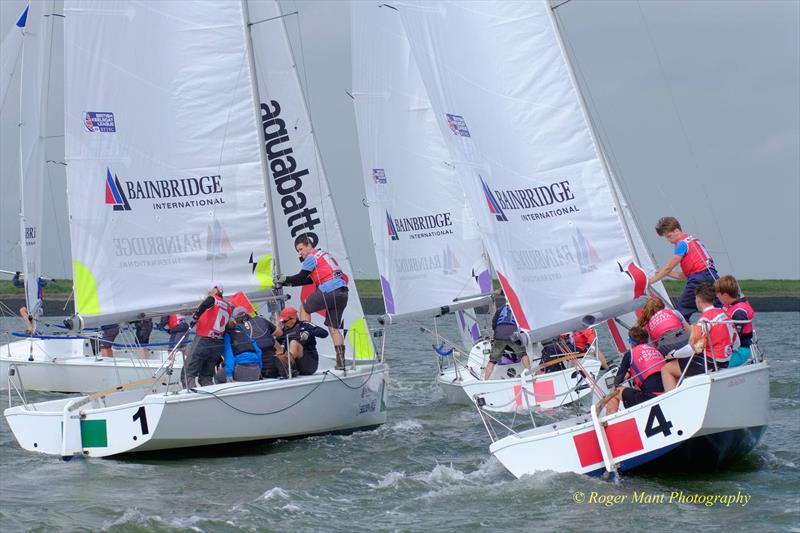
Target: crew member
x,y
739,309
176,326
210,318
643,363
712,337
263,332
503,326
697,266
242,354
110,332
143,329
321,269
298,340
584,339
666,327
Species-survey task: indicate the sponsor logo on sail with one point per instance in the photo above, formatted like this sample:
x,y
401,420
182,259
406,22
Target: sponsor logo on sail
x,y
218,245
420,227
99,122
379,176
286,177
413,265
182,192
585,252
494,207
114,194
450,263
30,235
159,250
457,125
390,228
546,201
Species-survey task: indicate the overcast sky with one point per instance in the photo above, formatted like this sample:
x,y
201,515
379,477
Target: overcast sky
x,y
698,104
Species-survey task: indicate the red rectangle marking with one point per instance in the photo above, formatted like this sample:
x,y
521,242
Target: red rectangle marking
x,y
623,437
588,448
544,391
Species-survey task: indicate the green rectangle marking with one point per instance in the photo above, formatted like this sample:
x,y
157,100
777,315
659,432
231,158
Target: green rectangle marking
x,y
93,434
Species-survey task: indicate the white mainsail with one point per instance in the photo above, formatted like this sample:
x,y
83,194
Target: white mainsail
x,y
34,78
165,182
301,198
502,90
426,239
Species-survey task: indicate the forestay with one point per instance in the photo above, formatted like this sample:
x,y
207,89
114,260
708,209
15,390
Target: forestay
x,y
427,244
165,182
301,198
504,98
34,76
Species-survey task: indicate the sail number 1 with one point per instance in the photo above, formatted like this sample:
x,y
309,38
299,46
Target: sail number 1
x,y
657,423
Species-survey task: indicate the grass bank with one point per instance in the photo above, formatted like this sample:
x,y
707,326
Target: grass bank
x,y
371,288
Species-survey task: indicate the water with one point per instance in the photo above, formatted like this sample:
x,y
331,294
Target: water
x,y
427,468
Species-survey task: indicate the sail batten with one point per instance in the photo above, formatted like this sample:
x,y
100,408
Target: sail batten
x,y
514,121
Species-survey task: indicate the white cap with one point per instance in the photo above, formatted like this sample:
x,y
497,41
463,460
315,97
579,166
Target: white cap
x,y
217,285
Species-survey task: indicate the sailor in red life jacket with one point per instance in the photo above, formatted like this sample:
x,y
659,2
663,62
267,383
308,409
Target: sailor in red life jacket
x,y
583,341
697,266
176,326
210,320
739,309
667,329
321,269
712,339
643,363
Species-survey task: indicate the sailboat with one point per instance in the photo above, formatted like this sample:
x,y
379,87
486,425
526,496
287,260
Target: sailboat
x,y
556,231
64,362
192,94
431,256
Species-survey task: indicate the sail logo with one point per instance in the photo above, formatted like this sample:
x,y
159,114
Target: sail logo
x,y
379,176
420,227
99,122
114,194
457,125
218,245
390,228
491,201
450,263
585,252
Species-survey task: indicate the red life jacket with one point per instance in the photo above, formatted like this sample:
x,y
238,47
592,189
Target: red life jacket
x,y
697,259
645,361
663,321
214,319
327,268
720,336
746,329
583,339
174,320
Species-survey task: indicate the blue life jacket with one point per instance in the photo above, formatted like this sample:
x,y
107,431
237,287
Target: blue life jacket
x,y
506,317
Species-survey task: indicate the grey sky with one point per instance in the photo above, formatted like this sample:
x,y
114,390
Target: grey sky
x,y
698,104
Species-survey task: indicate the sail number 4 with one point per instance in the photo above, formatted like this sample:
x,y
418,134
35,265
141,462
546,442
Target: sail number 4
x,y
657,423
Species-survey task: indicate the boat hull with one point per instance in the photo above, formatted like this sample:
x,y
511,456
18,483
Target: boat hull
x,y
686,425
68,365
134,421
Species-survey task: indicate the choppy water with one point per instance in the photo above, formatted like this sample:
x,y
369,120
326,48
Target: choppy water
x,y
427,468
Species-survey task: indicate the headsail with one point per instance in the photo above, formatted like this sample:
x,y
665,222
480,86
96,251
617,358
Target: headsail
x,y
502,91
426,239
301,198
35,72
10,53
165,181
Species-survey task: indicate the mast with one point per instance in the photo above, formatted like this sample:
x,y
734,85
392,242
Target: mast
x,y
262,141
590,124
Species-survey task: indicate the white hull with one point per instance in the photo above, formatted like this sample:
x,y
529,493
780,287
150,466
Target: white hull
x,y
504,392
68,365
717,404
139,421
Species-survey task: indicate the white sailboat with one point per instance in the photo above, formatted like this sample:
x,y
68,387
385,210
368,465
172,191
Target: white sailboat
x,y
184,151
430,254
555,229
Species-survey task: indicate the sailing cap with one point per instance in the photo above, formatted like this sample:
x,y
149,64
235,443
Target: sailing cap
x,y
239,312
287,313
217,285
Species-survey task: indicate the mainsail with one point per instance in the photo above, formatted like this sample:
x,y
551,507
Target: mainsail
x,y
165,182
10,52
426,239
502,90
35,71
301,198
